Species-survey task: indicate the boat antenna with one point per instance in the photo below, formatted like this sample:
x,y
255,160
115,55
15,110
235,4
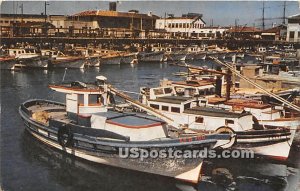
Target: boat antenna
x,y
64,75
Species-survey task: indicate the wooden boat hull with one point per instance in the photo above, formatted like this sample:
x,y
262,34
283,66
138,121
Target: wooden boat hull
x,y
151,57
176,56
111,60
129,59
34,62
68,63
105,151
269,143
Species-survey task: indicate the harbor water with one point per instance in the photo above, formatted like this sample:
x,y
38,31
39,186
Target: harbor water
x,y
26,164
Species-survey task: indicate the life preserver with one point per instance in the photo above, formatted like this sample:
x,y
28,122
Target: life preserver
x,y
65,136
227,130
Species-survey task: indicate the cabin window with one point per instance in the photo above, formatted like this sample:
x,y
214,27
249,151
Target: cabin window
x,y
228,121
80,99
168,90
165,108
158,91
199,120
154,106
187,105
175,109
94,99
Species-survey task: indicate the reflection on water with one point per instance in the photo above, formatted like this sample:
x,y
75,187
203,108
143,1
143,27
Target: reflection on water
x,y
28,165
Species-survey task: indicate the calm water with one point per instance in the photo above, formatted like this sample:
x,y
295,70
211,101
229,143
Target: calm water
x,y
28,165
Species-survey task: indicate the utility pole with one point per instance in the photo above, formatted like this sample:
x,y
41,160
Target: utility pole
x,y
284,7
22,12
263,15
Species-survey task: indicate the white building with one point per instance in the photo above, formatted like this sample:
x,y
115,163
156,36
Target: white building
x,y
293,29
212,32
189,25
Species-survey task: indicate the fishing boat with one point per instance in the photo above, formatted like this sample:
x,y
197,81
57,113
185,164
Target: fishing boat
x,y
93,61
65,61
111,58
129,58
175,54
151,56
270,141
7,63
34,62
86,128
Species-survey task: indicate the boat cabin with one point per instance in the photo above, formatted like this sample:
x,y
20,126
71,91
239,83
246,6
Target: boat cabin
x,y
82,100
194,114
22,52
87,105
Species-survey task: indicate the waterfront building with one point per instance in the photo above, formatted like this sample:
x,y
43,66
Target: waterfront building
x,y
189,25
275,33
243,32
293,29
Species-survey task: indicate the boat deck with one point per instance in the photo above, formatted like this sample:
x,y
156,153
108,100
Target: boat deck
x,y
43,112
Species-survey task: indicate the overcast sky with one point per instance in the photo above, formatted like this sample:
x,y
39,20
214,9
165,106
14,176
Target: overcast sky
x,y
221,13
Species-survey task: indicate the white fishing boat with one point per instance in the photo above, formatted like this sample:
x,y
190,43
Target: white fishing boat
x,y
63,61
151,56
129,58
86,128
175,54
273,140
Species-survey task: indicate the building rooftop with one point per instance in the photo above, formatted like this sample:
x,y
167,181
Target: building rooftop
x,y
105,13
244,29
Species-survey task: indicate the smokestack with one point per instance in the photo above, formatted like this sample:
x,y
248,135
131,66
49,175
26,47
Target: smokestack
x,y
113,6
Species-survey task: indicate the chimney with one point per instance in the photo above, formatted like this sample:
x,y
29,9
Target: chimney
x,y
113,6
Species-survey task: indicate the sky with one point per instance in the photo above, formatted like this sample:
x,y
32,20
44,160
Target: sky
x,y
218,13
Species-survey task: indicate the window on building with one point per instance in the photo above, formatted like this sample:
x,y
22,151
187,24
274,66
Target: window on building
x,y
165,108
6,21
175,109
292,34
176,25
298,34
199,120
154,106
170,25
184,25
